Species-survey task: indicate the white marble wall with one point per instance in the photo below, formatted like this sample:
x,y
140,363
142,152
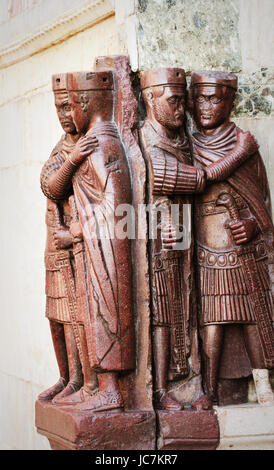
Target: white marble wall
x,y
29,130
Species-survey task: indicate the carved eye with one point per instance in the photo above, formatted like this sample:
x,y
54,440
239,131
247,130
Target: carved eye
x,y
172,100
67,107
214,99
200,99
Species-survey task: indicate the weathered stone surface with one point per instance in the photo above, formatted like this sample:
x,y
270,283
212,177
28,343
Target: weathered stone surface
x,y
192,35
187,429
137,387
68,430
255,96
188,390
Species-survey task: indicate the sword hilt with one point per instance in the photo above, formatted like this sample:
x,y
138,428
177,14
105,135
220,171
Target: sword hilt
x,y
73,208
228,201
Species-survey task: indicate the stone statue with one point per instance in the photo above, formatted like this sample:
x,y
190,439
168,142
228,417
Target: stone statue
x,y
103,268
171,180
234,234
59,252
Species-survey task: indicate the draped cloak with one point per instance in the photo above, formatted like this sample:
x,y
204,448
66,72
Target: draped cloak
x,y
100,185
224,297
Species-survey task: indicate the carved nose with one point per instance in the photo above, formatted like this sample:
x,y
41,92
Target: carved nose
x,y
206,105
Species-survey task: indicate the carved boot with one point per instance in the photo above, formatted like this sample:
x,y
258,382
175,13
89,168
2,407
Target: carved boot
x,y
50,393
263,387
163,401
69,390
108,397
76,398
102,401
203,403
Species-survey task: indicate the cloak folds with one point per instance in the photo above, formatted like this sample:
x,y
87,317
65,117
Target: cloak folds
x,y
100,184
249,182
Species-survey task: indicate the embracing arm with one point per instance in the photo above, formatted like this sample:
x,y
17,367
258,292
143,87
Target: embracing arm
x,y
245,147
170,176
57,173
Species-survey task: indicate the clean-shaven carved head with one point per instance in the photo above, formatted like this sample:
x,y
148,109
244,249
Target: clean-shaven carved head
x,y
90,98
212,96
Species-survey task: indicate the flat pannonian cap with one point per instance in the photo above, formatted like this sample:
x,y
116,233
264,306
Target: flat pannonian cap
x,y
85,81
213,77
59,82
162,76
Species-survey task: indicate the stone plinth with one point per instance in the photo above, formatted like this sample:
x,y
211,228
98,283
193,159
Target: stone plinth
x,y
246,427
187,430
70,430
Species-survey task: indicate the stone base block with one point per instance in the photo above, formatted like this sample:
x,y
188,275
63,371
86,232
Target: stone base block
x,y
246,427
187,430
69,430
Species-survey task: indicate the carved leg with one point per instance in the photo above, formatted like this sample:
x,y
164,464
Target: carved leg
x,y
212,337
260,374
58,339
161,350
90,377
74,364
253,346
90,386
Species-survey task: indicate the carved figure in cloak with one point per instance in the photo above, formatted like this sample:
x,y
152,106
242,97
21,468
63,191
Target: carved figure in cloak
x,y
59,253
103,269
234,235
171,181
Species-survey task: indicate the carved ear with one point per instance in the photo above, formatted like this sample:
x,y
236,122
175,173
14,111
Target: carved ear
x,y
84,100
149,95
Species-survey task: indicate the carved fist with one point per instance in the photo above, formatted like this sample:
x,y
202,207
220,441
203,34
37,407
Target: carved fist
x,y
247,141
83,148
62,239
76,231
243,231
170,237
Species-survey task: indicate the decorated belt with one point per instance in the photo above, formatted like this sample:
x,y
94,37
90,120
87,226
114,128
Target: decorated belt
x,y
229,258
210,208
166,258
56,261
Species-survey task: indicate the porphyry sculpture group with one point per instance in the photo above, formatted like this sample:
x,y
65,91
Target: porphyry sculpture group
x,y
209,245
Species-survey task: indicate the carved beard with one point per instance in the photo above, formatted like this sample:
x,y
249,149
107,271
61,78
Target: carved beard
x,y
165,119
